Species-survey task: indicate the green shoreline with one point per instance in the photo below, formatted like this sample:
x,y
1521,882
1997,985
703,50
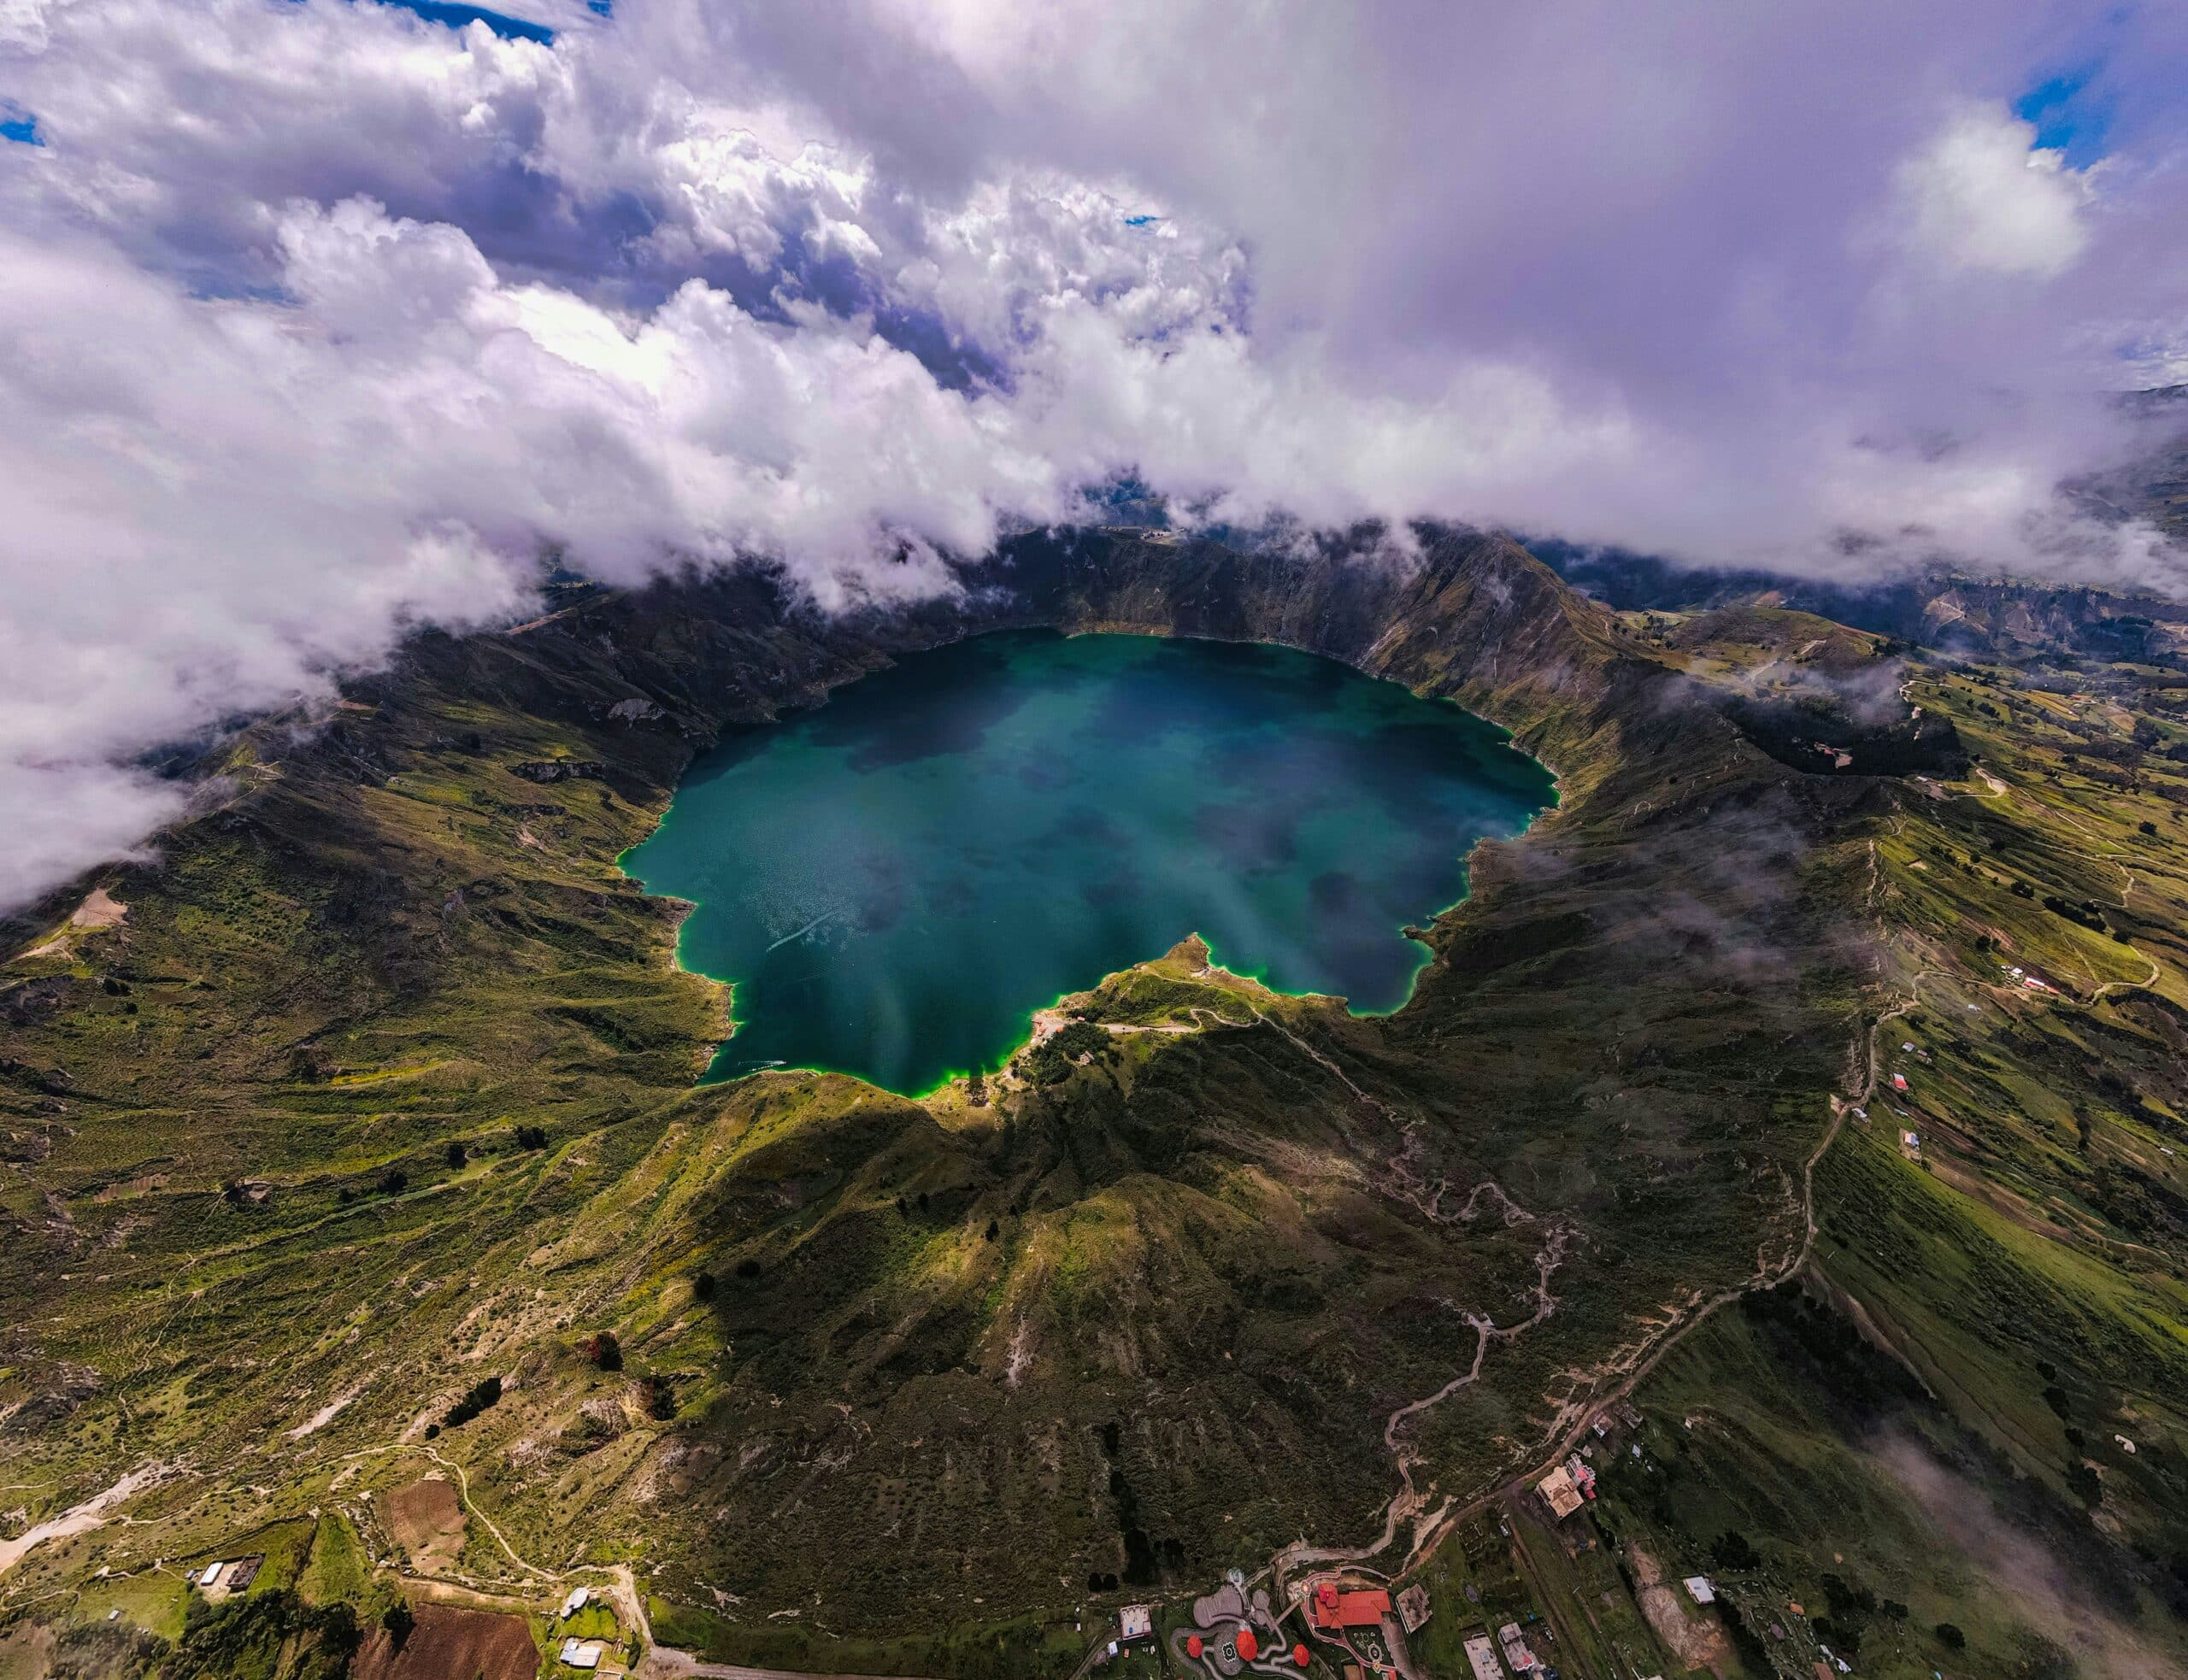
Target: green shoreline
x,y
1023,1034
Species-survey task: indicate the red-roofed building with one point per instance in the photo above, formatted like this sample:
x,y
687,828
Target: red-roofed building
x,y
1329,1611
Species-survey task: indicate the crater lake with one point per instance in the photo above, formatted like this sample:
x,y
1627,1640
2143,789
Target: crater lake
x,y
893,882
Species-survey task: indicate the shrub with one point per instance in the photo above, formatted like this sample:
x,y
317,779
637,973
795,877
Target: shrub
x,y
399,1622
1951,1637
1732,1551
457,1154
1841,1637
1081,1038
1046,1065
338,1627
605,1351
487,1392
702,1286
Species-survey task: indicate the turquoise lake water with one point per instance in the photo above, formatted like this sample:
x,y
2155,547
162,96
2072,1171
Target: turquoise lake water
x,y
895,882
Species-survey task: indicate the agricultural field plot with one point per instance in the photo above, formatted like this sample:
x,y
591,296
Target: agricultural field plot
x,y
427,1520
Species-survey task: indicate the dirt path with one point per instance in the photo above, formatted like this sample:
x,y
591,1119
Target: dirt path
x,y
1630,1367
463,1492
1410,1502
621,1588
1405,1184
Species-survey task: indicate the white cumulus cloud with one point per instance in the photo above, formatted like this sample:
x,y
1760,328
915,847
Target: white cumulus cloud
x,y
318,320
1984,196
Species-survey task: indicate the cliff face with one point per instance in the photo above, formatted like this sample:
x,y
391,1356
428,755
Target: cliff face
x,y
1467,614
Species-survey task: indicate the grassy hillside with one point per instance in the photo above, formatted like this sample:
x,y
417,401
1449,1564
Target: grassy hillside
x,y
381,1087
1956,1441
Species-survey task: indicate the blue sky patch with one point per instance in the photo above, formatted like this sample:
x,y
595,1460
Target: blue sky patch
x,y
18,125
456,15
2069,116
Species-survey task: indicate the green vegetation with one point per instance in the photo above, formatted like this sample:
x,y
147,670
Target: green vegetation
x,y
264,1636
1000,1651
400,1093
337,1569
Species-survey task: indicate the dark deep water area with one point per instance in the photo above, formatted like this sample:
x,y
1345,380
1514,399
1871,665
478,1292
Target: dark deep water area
x,y
895,882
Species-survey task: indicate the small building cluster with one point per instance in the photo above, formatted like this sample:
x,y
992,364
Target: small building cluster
x,y
587,1653
1481,1657
219,1579
1514,1644
1567,1487
1362,1621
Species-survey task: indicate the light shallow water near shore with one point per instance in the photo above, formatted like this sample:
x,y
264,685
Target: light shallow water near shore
x,y
895,882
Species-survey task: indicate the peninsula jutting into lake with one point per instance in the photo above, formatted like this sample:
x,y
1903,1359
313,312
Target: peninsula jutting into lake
x,y
894,883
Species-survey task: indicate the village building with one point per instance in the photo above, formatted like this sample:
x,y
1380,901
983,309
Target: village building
x,y
1331,1610
1135,1621
1558,1491
584,1653
1523,1660
1413,1608
1481,1657
575,1601
1699,1589
1362,1620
